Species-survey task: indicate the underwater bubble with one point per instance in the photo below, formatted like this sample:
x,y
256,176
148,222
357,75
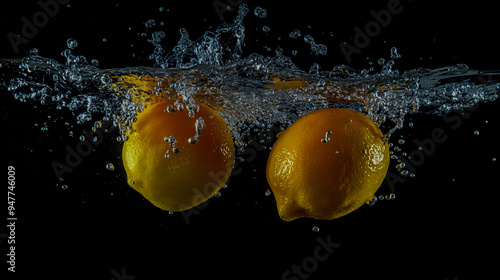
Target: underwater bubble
x,y
295,34
199,125
260,12
372,201
309,39
72,43
110,166
170,109
315,229
150,23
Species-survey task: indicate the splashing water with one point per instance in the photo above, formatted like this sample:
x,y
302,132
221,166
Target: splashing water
x,y
252,91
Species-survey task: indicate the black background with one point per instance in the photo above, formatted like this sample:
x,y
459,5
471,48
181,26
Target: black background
x,y
440,226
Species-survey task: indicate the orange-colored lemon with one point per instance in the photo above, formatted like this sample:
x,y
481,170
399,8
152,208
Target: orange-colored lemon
x,y
327,164
177,161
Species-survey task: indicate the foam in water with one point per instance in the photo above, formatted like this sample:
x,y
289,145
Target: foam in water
x,y
251,91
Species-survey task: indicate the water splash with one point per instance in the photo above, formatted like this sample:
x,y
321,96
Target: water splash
x,y
251,91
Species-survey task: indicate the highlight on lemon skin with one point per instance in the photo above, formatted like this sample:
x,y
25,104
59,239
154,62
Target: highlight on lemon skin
x,y
177,160
327,164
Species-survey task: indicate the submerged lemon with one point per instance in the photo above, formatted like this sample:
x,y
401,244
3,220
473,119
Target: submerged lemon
x,y
177,161
327,164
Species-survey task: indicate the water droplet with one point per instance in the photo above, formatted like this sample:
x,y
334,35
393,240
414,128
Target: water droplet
x,y
401,141
110,166
34,51
175,150
72,43
268,193
494,159
161,9
193,140
82,138
64,187
218,194
380,197
260,12
404,172
394,53
104,40
95,62
476,132
315,229
167,155
326,139
381,61
266,28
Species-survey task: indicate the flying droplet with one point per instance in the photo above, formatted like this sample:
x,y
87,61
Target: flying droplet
x,y
64,187
268,193
476,132
315,229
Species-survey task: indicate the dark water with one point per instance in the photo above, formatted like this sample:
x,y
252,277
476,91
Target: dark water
x,y
432,79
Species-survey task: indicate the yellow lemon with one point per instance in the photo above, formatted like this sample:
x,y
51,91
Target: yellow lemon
x,y
327,164
175,160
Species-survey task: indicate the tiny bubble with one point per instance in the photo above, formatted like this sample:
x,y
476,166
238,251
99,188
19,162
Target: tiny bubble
x,y
110,166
